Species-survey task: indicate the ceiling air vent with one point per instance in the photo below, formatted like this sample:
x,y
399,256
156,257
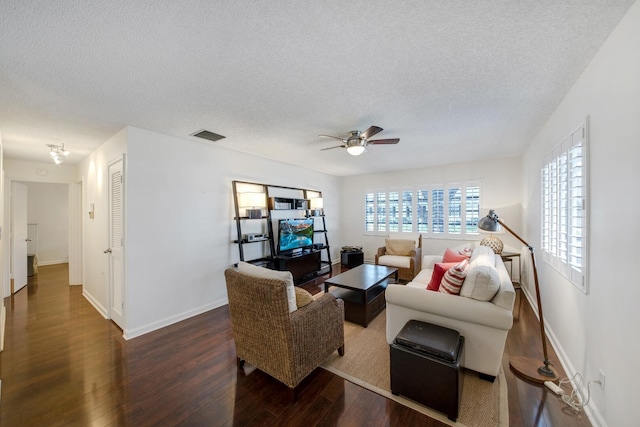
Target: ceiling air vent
x,y
205,134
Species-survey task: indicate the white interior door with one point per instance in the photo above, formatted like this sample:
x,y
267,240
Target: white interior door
x,y
116,242
32,239
19,237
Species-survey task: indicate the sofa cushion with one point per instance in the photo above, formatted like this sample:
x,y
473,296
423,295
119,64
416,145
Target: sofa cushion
x,y
424,277
438,273
399,247
454,277
452,256
265,273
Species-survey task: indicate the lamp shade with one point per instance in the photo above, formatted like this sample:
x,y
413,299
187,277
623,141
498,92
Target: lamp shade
x,y
489,223
316,203
252,200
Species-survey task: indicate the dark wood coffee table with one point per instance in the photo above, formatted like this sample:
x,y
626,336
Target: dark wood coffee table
x,y
362,290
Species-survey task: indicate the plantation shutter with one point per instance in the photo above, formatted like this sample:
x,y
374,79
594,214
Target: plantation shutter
x,y
563,202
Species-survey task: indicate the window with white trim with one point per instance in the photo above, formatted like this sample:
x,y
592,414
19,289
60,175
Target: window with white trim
x,y
440,210
564,207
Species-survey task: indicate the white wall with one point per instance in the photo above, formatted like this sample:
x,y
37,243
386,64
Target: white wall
x,y
47,206
501,190
19,170
93,173
2,253
598,330
178,220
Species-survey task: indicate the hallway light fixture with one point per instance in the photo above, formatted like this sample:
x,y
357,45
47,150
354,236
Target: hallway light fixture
x,y
58,153
525,367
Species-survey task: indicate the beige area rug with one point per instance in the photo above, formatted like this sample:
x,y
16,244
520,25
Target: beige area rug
x,y
366,363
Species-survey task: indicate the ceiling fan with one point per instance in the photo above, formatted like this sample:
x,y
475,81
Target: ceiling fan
x,y
357,141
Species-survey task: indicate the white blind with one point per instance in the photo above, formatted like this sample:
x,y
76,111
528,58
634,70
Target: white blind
x,y
451,210
564,201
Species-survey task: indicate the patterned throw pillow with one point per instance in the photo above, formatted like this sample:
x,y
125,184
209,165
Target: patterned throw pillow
x,y
466,251
453,278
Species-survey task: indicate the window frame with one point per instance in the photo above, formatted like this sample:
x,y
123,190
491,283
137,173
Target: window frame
x,y
419,210
564,207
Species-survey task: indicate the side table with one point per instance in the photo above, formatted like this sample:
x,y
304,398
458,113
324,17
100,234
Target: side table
x,y
509,257
351,259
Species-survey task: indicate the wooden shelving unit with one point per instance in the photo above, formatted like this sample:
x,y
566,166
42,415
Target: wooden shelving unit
x,y
257,231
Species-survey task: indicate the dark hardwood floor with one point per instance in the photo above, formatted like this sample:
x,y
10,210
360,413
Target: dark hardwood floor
x,y
63,364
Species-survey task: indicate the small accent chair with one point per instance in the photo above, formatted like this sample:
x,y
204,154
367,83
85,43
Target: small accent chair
x,y
287,346
404,251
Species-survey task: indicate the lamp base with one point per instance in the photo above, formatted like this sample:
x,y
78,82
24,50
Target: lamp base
x,y
254,213
532,370
494,243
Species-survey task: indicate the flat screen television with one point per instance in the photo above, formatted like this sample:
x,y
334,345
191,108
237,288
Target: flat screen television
x,y
295,234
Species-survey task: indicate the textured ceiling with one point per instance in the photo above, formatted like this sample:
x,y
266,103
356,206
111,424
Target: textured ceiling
x,y
452,79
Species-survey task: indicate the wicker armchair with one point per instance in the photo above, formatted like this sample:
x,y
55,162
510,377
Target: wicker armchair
x,y
287,346
408,265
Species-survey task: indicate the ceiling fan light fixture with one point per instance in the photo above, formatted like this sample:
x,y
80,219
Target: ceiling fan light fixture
x,y
355,150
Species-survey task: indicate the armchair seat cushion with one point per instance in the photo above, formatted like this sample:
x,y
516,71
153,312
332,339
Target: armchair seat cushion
x,y
395,261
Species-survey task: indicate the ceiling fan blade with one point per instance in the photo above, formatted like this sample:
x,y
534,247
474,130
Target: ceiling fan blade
x,y
384,141
331,148
334,137
371,131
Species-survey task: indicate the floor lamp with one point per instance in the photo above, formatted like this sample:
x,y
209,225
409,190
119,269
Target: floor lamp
x,y
525,367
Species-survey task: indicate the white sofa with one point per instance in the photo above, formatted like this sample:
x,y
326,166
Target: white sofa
x,y
484,324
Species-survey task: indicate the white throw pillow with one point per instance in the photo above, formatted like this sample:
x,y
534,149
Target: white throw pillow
x,y
483,255
483,280
482,283
265,273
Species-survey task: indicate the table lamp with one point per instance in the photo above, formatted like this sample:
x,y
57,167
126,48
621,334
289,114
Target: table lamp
x,y
253,204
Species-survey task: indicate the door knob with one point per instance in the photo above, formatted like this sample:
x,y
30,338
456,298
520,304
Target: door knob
x,y
107,251
27,240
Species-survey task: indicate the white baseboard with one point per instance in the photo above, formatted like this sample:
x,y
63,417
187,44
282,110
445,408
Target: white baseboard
x,y
591,410
132,333
99,307
53,262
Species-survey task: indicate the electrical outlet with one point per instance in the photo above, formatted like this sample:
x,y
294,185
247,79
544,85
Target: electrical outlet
x,y
601,379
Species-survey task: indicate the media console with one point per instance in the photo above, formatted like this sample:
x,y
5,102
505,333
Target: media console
x,y
299,264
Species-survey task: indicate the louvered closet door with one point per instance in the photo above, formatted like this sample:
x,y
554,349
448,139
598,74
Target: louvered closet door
x,y
116,242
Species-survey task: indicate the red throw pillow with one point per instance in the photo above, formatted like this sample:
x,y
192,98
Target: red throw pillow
x,y
451,256
438,272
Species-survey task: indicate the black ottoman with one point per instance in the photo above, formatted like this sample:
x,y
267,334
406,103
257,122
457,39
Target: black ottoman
x,y
425,366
